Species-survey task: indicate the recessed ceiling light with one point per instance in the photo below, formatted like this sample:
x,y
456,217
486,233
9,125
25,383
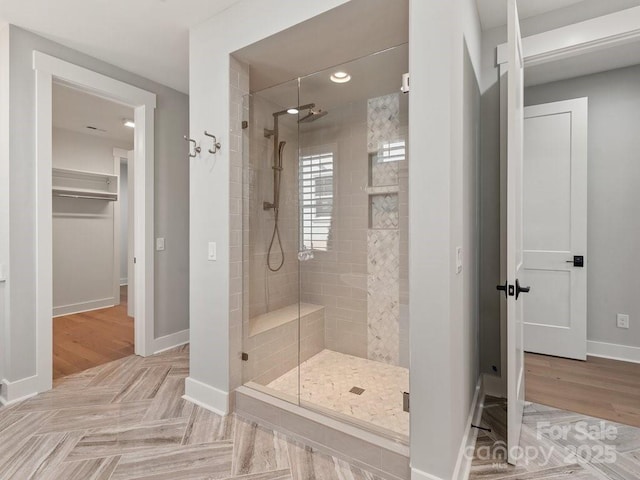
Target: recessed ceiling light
x,y
340,77
129,123
293,111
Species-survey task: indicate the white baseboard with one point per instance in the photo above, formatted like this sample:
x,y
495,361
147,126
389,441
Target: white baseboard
x,y
465,455
12,392
83,307
613,351
420,475
170,341
206,396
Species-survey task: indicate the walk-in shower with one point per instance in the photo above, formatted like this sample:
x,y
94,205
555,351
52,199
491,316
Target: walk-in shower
x,y
325,258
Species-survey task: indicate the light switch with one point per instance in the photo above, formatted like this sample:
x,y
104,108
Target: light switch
x,y
212,255
160,244
458,259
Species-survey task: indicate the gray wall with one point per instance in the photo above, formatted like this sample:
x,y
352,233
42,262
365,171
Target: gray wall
x,y
613,225
171,202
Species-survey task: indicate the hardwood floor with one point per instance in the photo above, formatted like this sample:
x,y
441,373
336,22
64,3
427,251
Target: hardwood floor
x,y
599,387
128,420
86,340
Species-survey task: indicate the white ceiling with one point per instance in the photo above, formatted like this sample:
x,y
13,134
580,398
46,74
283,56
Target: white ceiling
x,y
493,13
75,110
146,37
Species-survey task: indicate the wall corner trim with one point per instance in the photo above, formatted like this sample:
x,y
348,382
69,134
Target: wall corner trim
x,y
613,351
206,396
173,340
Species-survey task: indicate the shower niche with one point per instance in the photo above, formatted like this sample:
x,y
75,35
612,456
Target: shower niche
x,y
325,245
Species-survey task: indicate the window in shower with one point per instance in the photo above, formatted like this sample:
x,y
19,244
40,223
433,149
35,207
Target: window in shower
x,y
316,197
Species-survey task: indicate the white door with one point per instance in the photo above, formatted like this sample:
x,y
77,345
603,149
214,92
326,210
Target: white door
x,y
515,345
555,228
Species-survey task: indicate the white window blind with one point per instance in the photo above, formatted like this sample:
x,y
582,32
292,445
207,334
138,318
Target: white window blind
x,y
316,197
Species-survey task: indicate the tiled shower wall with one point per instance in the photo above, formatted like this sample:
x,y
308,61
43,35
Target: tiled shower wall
x,y
269,290
337,278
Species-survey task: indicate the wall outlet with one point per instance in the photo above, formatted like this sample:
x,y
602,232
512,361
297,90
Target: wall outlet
x,y
160,244
622,320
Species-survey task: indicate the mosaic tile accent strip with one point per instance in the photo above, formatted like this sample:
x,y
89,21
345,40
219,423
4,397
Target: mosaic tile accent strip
x,y
384,211
383,296
383,121
327,378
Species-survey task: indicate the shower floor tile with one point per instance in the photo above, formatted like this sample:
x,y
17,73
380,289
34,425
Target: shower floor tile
x,y
326,380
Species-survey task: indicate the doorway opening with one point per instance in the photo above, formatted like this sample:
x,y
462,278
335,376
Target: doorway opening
x,y
555,90
103,187
565,366
91,140
91,221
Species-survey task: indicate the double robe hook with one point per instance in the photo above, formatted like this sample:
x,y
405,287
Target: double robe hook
x,y
197,149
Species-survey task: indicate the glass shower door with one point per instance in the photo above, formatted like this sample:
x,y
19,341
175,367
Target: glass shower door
x,y
271,334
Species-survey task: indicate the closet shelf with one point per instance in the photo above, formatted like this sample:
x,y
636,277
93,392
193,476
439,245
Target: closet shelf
x,y
86,185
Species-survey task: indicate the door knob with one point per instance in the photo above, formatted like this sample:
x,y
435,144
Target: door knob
x,y
520,289
503,288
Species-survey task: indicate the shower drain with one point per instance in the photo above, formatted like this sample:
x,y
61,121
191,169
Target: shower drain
x,y
357,390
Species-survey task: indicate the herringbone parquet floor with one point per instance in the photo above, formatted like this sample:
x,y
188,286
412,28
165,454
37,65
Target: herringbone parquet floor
x,y
127,420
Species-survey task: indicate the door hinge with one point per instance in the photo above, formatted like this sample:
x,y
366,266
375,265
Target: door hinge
x,y
405,402
135,260
245,356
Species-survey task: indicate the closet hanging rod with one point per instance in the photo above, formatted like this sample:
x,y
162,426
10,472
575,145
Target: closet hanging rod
x,y
88,197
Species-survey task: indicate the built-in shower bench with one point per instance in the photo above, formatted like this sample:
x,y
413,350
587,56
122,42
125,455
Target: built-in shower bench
x,y
276,318
276,342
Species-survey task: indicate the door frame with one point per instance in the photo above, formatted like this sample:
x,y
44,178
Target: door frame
x,y
119,155
48,70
